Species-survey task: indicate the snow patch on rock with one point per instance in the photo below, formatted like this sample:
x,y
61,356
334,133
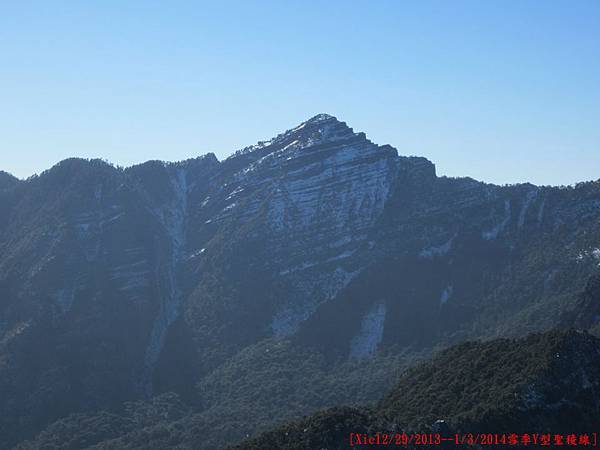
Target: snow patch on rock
x,y
371,332
308,294
172,216
446,294
495,231
540,215
529,198
133,275
587,254
439,250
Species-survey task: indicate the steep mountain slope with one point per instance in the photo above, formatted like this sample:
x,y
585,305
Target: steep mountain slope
x,y
586,314
87,278
546,383
121,284
7,180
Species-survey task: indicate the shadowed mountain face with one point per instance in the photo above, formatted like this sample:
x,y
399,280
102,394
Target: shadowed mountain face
x,y
122,284
7,180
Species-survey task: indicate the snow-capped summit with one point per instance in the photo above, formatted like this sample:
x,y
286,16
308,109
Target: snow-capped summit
x,y
321,118
320,129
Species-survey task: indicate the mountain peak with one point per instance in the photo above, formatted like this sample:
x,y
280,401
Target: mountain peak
x,y
318,129
322,117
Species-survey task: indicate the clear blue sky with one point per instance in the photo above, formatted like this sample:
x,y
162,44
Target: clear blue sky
x,y
503,91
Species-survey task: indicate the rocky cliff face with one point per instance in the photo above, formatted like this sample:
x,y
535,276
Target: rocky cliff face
x,y
118,284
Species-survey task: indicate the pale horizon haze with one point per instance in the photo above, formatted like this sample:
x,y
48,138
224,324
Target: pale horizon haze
x,y
503,92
